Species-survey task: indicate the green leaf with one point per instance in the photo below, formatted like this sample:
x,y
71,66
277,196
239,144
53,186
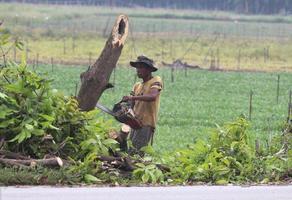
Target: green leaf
x,y
29,127
3,96
153,177
91,179
4,39
138,172
53,127
149,150
5,111
145,178
19,45
15,87
23,60
109,142
38,132
7,123
47,117
141,165
20,137
221,182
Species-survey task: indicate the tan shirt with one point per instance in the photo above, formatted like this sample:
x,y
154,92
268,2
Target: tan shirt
x,y
145,111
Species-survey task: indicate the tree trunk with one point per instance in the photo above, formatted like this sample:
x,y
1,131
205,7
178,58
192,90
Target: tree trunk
x,y
95,80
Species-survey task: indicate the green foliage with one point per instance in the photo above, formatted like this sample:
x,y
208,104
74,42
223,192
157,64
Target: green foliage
x,y
37,120
148,173
37,176
226,157
196,104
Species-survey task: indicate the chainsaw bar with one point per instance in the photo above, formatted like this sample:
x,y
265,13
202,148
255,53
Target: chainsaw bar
x,y
105,109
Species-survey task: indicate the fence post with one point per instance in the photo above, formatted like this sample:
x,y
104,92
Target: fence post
x,y
278,88
14,54
172,74
268,52
33,65
257,146
289,107
163,81
64,46
218,59
26,50
171,50
265,55
250,104
76,88
73,43
52,63
238,59
37,60
89,59
162,50
212,61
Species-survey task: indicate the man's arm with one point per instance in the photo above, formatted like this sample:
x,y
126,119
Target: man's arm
x,y
154,92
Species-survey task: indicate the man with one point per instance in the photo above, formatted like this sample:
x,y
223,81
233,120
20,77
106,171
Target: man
x,y
146,98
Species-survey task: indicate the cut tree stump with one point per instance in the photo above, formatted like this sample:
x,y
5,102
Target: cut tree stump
x,y
95,80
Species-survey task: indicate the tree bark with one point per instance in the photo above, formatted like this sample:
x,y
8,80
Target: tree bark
x,y
95,80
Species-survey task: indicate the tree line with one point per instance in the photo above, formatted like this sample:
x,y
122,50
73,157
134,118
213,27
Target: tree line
x,y
239,6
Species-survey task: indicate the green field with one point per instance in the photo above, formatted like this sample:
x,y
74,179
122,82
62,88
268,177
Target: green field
x,y
76,35
251,55
192,105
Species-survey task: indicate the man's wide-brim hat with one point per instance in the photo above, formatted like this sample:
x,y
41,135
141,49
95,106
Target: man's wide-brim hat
x,y
145,62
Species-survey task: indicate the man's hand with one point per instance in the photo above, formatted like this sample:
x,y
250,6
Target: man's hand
x,y
146,97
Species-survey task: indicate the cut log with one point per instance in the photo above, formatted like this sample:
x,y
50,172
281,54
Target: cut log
x,y
51,162
9,154
95,80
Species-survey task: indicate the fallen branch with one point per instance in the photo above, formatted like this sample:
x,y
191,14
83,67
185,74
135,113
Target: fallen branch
x,y
51,162
9,154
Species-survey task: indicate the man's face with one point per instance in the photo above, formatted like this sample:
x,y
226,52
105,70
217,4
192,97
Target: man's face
x,y
142,71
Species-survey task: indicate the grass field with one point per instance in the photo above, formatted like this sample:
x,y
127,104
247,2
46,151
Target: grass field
x,y
76,35
192,105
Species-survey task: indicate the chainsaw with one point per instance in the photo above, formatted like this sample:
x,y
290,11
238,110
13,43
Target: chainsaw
x,y
123,113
